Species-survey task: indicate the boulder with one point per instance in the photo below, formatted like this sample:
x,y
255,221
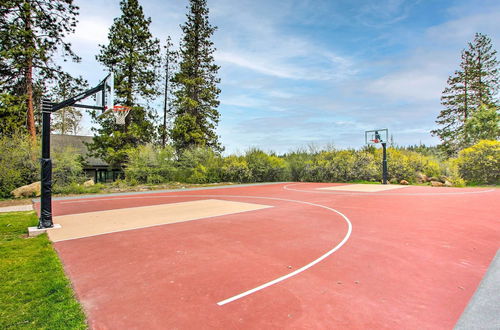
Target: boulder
x,y
448,183
404,182
422,178
30,190
437,184
89,183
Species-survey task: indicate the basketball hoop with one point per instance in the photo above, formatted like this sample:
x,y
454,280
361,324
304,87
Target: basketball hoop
x,y
120,112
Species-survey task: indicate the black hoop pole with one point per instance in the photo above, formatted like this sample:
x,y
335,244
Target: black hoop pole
x,y
384,164
46,169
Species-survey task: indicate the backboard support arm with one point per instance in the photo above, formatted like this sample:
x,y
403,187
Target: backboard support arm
x,y
48,108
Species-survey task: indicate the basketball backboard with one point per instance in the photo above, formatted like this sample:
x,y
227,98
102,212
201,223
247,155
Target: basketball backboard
x,y
106,96
376,136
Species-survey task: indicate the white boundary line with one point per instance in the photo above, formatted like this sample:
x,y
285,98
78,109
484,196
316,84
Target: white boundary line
x,y
267,284
384,193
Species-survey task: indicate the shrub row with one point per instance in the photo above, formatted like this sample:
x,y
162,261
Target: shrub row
x,y
476,165
148,164
479,164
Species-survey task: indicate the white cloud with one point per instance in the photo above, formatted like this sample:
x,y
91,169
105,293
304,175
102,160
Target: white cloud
x,y
91,30
462,29
384,12
409,85
254,39
244,101
316,65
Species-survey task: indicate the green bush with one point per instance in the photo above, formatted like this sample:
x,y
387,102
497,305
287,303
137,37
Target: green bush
x,y
480,163
365,167
235,169
78,189
149,164
264,167
67,168
297,164
19,162
404,165
399,166
199,165
449,169
341,166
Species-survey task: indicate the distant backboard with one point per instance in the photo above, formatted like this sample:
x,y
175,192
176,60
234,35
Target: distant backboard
x,y
376,136
106,97
101,97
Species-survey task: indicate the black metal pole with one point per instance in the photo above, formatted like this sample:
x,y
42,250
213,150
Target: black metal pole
x,y
46,169
384,164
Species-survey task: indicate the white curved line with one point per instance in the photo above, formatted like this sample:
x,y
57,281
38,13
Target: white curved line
x,y
277,280
309,265
287,187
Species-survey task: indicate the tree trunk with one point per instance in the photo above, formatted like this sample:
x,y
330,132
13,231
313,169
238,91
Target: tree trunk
x,y
28,77
479,73
30,120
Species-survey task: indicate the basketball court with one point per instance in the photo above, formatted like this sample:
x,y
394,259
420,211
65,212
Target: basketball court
x,y
287,255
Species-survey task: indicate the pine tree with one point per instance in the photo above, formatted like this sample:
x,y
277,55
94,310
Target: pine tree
x,y
133,55
67,120
468,88
484,124
31,33
485,70
196,95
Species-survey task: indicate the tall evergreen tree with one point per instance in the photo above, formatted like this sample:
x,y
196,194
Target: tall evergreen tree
x,y
31,32
474,84
133,55
485,70
484,124
67,120
196,95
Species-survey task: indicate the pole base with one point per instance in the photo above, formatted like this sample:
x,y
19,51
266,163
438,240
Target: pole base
x,y
35,231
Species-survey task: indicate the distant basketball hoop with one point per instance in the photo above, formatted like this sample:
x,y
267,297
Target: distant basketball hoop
x,y
381,136
376,136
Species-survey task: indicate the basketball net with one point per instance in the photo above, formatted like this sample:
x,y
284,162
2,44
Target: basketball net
x,y
120,112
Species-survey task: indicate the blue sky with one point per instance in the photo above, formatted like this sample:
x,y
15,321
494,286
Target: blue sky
x,y
315,72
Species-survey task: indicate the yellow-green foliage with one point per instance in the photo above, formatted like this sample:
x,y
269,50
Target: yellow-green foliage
x,y
19,162
480,164
203,165
449,168
235,169
264,167
67,168
404,164
338,166
199,165
148,164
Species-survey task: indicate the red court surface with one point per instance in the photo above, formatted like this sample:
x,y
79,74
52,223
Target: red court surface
x,y
413,259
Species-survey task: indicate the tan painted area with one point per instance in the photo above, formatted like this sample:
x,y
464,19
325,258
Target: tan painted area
x,y
364,187
110,221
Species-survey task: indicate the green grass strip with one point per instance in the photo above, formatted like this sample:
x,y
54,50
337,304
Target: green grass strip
x,y
34,291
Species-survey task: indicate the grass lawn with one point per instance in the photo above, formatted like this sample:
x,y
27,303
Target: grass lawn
x,y
34,291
